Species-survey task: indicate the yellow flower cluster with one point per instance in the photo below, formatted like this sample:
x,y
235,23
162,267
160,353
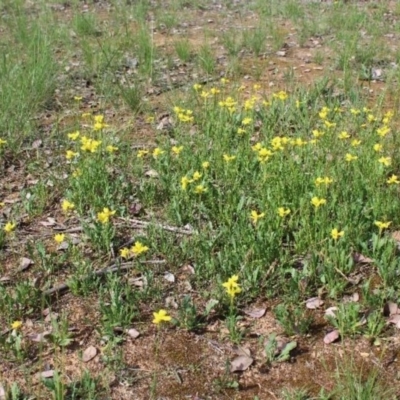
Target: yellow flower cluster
x,y
183,115
137,249
232,287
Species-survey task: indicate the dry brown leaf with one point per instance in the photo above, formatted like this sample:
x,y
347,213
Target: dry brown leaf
x,y
242,351
89,354
241,363
39,337
24,263
359,258
390,309
331,336
330,312
255,312
314,302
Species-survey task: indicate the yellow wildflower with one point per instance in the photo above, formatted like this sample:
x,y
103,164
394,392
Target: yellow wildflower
x,y
125,252
161,316
67,206
177,150
204,94
139,248
254,216
343,135
354,111
317,134
241,131
256,147
185,182
264,154
77,98
157,152
355,142
111,149
283,212
323,181
229,158
280,95
142,153
371,118
86,115
2,141
383,131
214,91
90,145
199,189
231,286
196,176
378,147
329,124
386,161
197,87
9,227
336,234
59,238
382,225
74,135
104,216
224,81
317,202
394,179
205,164
71,154
16,325
246,121
349,157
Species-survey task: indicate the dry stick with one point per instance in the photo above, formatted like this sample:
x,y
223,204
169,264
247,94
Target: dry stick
x,y
137,223
112,268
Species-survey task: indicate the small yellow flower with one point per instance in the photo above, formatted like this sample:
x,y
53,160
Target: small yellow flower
x,y
205,164
231,286
323,181
59,238
77,98
2,204
354,111
9,227
197,87
111,148
317,134
246,121
378,147
197,175
254,216
199,189
142,153
204,94
157,152
99,122
86,115
104,216
323,114
349,157
371,118
355,142
185,182
73,135
67,206
241,131
2,141
317,202
99,118
343,135
161,316
256,147
283,212
177,150
329,124
139,248
256,86
386,161
90,145
77,172
383,131
280,95
382,225
125,253
149,119
336,234
229,158
214,91
224,81
16,325
71,154
394,179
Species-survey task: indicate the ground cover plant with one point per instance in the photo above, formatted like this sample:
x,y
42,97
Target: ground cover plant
x,y
199,200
